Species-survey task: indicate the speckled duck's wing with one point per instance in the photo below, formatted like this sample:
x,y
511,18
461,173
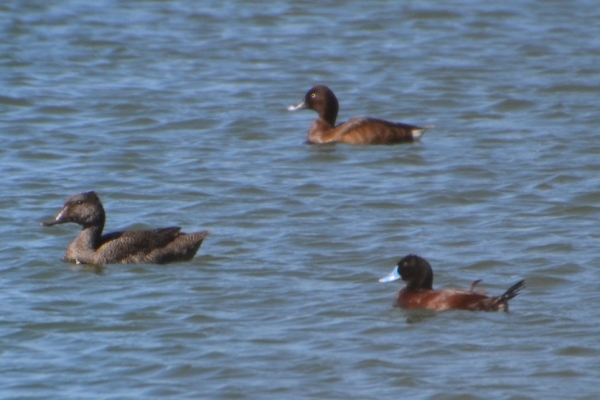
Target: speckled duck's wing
x,y
183,248
134,246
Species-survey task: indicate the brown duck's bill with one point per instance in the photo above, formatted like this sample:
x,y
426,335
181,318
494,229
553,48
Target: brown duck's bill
x,y
50,223
298,106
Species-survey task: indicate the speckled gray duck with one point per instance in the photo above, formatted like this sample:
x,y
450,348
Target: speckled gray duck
x,y
156,246
357,130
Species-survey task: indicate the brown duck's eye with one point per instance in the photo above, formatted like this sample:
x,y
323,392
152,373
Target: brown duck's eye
x,y
313,95
79,201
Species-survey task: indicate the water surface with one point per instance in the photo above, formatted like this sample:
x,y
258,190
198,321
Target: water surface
x,y
175,113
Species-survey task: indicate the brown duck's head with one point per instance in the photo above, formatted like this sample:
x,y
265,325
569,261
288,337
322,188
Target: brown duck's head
x,y
322,100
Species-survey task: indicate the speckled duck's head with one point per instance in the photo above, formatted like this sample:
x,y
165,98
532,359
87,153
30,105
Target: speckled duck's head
x,y
83,209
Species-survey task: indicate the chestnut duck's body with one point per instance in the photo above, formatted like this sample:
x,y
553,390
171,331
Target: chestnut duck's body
x,y
419,292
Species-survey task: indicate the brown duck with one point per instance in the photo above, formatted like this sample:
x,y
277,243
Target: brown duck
x,y
357,130
157,246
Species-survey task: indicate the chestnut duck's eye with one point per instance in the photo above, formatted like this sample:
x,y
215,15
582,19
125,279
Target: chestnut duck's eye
x,y
313,95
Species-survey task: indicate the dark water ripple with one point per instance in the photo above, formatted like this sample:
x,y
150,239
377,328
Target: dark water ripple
x,y
175,113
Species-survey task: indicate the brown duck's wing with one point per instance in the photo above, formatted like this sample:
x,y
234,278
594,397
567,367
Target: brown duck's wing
x,y
377,131
134,246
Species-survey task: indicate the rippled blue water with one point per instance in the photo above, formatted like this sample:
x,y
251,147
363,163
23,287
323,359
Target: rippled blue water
x,y
175,113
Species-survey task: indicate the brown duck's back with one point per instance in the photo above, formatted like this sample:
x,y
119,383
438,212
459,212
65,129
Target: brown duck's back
x,y
377,131
364,131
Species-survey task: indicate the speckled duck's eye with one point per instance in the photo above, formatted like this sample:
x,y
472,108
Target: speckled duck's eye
x,y
79,202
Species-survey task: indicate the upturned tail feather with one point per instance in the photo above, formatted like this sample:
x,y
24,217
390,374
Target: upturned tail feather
x,y
512,292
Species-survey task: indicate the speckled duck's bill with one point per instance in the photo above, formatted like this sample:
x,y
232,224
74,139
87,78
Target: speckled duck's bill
x,y
393,276
58,220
